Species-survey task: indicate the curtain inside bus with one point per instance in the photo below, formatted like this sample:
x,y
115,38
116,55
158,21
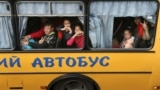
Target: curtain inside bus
x,y
42,9
6,30
102,15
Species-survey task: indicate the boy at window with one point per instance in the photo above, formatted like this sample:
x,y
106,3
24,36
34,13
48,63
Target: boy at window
x,y
77,38
47,41
128,39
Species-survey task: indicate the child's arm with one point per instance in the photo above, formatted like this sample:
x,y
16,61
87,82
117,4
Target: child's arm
x,y
71,40
37,34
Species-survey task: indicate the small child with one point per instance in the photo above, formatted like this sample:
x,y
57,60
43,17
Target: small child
x,y
47,41
128,40
77,38
64,33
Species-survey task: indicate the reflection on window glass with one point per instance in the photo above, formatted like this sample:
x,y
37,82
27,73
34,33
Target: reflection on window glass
x,y
6,29
122,24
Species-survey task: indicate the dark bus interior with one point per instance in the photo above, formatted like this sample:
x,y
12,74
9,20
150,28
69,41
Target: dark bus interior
x,y
122,23
34,23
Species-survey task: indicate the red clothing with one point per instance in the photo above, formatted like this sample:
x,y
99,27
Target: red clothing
x,y
140,30
60,35
41,33
38,34
79,41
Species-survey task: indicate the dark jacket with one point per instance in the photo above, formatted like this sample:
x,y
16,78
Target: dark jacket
x,y
63,37
50,42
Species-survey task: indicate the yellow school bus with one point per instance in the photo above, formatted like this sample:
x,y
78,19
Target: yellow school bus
x,y
121,45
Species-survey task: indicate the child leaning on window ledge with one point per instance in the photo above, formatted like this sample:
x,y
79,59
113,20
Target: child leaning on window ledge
x,y
77,38
128,40
46,41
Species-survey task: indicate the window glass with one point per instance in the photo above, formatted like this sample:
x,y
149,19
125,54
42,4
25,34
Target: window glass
x,y
122,24
67,8
4,8
63,28
33,8
6,29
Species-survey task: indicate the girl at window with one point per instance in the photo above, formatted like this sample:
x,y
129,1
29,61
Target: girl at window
x,y
64,33
128,39
77,38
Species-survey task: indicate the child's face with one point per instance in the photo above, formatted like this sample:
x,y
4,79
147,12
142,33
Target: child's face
x,y
67,23
48,30
137,20
127,34
77,29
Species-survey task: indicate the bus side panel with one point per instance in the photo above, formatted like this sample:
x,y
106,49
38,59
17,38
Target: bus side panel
x,y
105,81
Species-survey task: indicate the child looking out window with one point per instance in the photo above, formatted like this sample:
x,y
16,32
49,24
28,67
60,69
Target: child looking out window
x,y
46,41
77,38
128,39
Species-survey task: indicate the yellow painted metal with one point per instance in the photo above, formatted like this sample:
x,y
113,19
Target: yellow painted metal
x,y
14,82
118,62
105,81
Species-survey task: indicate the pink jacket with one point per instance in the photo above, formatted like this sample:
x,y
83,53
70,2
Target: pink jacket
x,y
79,41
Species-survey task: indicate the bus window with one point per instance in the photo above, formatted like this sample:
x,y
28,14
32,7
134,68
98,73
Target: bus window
x,y
6,29
122,24
54,25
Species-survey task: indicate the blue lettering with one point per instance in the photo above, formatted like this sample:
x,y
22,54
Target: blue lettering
x,y
69,60
14,60
82,63
60,61
49,62
102,63
93,62
4,62
36,62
